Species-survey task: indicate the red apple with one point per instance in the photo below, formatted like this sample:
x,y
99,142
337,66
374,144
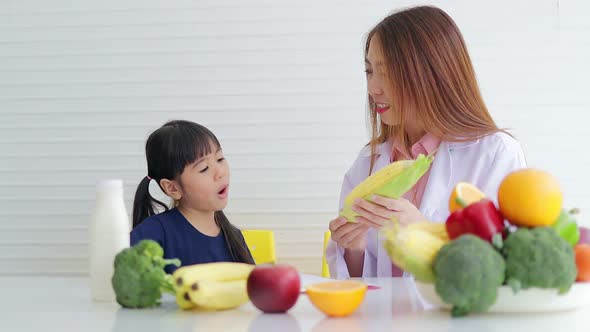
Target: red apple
x,y
274,288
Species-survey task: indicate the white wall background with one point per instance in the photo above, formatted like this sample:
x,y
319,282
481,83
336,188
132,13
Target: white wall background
x,y
82,84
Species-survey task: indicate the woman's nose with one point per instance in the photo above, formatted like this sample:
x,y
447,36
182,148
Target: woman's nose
x,y
375,87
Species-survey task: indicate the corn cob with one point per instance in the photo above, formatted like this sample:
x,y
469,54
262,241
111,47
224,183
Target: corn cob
x,y
413,250
437,229
391,181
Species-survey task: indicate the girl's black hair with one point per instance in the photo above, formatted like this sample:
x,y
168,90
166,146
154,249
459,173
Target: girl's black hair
x,y
168,151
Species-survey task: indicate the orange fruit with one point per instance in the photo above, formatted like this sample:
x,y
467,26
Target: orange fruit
x,y
466,192
337,298
530,197
582,252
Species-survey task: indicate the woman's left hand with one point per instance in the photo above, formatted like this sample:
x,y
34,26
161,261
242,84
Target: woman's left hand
x,y
381,210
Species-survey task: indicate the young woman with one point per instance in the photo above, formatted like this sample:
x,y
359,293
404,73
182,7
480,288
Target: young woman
x,y
423,98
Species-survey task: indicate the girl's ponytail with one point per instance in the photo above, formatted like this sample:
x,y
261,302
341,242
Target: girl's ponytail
x,y
234,239
143,203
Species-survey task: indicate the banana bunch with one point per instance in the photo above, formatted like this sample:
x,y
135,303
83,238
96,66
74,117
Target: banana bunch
x,y
414,247
212,286
391,181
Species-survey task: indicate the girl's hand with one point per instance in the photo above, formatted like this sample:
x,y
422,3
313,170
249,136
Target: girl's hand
x,y
349,235
380,212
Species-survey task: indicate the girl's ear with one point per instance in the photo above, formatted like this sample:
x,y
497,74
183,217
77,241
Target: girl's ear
x,y
171,188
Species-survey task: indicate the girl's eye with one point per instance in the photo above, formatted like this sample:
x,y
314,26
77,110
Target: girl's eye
x,y
221,159
368,71
204,169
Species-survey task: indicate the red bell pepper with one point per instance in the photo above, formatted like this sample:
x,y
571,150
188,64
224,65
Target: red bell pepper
x,y
480,218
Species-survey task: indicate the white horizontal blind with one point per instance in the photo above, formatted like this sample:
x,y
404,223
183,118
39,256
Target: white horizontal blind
x,y
82,84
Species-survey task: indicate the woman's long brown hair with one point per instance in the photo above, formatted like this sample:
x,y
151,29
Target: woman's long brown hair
x,y
429,72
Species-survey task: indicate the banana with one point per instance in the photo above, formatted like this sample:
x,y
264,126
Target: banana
x,y
183,299
218,295
219,271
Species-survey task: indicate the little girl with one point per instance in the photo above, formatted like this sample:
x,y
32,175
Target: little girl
x,y
186,161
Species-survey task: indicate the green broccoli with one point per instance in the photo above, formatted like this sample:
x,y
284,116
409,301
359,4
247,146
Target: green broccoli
x,y
139,278
539,257
468,273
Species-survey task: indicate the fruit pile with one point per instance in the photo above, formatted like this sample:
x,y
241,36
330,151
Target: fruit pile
x,y
139,281
528,241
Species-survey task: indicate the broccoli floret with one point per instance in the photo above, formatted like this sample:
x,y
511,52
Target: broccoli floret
x,y
139,278
539,257
468,273
149,248
154,251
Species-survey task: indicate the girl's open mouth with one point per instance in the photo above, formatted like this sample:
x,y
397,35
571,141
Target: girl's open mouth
x,y
223,192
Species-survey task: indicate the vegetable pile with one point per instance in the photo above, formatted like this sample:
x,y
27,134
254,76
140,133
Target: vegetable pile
x,y
527,241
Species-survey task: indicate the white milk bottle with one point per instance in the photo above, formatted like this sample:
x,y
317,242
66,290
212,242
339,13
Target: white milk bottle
x,y
109,234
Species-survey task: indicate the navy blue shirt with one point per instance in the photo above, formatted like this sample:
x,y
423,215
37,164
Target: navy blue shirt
x,y
181,240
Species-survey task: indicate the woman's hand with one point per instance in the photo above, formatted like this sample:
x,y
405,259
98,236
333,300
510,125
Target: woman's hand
x,y
381,210
349,235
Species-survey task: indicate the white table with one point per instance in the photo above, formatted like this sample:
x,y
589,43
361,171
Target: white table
x,y
63,304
